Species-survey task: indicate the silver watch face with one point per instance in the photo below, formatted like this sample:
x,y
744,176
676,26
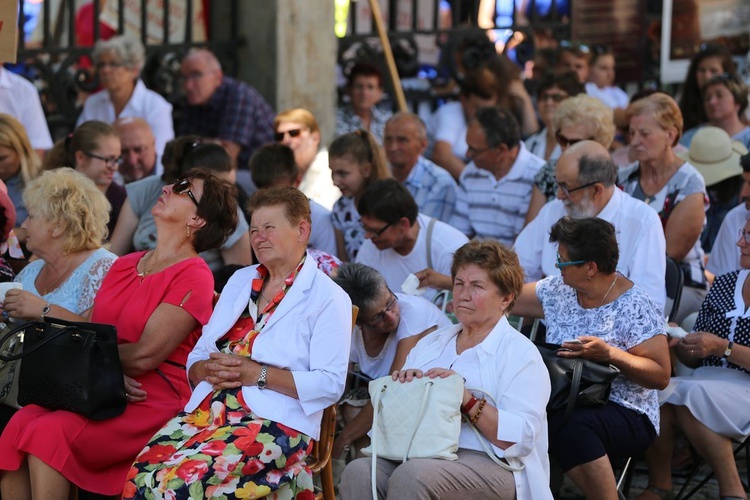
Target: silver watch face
x,y
261,384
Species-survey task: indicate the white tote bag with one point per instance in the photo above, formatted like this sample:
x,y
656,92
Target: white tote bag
x,y
417,419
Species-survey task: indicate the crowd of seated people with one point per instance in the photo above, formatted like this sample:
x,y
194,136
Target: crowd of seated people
x,y
284,218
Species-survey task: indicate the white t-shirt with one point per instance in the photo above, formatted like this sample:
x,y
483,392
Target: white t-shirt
x,y
725,254
20,99
448,124
612,97
417,315
395,268
639,235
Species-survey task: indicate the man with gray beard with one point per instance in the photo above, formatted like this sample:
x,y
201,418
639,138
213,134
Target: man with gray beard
x,y
585,176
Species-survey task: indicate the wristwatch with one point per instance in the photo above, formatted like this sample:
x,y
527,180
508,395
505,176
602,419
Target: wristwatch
x,y
261,383
45,310
728,350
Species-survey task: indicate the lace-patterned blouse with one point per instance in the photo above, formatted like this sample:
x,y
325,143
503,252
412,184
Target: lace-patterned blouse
x,y
77,293
628,321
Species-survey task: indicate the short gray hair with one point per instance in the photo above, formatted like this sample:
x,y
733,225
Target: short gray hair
x,y
597,169
127,47
362,283
413,118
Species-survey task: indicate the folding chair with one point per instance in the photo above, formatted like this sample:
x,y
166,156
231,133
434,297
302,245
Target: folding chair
x,y
742,446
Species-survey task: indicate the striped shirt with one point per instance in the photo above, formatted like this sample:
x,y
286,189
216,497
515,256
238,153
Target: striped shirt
x,y
433,189
492,208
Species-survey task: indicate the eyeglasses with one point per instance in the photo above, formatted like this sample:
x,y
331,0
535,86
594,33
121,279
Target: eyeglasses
x,y
375,232
111,64
552,96
183,186
564,142
279,136
389,306
743,236
471,151
566,190
109,161
191,77
561,265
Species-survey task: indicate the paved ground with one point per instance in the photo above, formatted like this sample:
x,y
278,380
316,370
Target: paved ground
x,y
710,491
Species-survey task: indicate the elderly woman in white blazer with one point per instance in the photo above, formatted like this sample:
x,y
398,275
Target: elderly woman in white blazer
x,y
272,357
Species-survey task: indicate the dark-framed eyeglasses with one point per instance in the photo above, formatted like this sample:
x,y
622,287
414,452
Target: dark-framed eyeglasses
x,y
183,186
279,136
564,141
379,318
563,264
743,236
552,96
375,232
109,161
566,190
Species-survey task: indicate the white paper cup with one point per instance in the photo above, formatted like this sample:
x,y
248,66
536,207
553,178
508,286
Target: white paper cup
x,y
4,287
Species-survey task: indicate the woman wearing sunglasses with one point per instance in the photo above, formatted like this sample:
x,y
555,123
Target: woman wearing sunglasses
x,y
577,119
595,313
553,89
136,228
156,299
298,129
93,149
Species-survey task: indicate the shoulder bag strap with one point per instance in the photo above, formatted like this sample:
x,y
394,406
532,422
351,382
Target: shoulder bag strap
x,y
483,440
374,440
575,385
430,227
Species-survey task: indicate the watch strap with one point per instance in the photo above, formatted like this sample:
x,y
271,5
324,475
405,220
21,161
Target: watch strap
x,y
728,350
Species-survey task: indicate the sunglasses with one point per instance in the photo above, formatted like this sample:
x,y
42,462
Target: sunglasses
x,y
564,142
575,46
563,264
183,186
279,136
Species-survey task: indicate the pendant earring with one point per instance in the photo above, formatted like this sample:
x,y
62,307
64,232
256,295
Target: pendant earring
x,y
589,278
188,232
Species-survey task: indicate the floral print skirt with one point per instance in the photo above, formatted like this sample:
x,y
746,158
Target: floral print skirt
x,y
222,450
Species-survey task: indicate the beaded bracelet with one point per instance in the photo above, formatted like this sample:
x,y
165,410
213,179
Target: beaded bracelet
x,y
465,409
474,419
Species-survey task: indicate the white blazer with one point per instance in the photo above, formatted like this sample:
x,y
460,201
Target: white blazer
x,y
309,334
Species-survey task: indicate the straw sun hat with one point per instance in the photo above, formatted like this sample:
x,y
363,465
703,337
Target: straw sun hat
x,y
714,154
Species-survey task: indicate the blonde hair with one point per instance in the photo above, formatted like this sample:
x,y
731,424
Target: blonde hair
x,y
362,148
297,115
69,198
662,108
589,111
13,136
86,137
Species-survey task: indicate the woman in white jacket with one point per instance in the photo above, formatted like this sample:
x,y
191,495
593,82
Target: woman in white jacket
x,y
272,357
492,356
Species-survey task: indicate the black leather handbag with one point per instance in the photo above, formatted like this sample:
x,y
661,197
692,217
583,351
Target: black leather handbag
x,y
576,381
70,366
